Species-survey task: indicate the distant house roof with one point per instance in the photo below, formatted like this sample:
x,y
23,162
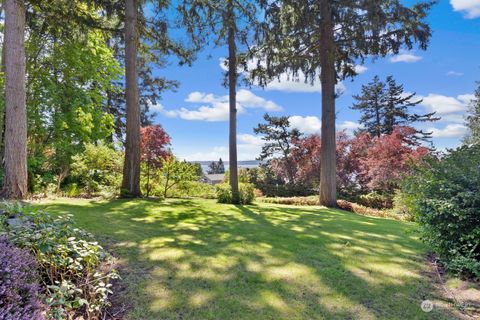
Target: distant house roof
x,y
214,178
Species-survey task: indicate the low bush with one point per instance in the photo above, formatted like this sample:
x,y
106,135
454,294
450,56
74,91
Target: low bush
x,y
193,189
342,204
444,195
19,287
375,200
298,201
74,269
366,211
224,193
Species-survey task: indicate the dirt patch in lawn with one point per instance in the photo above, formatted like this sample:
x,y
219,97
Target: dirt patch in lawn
x,y
461,296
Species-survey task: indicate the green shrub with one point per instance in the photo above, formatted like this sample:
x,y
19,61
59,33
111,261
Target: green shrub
x,y
192,189
247,193
224,193
402,205
75,269
97,170
444,195
375,200
297,201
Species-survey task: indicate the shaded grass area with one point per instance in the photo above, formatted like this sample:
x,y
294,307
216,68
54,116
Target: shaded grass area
x,y
196,259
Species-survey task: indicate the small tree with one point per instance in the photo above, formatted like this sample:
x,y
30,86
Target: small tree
x,y
175,172
371,103
279,140
473,120
154,148
216,167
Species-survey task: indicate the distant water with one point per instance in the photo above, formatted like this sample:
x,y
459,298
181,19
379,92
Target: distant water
x,y
241,164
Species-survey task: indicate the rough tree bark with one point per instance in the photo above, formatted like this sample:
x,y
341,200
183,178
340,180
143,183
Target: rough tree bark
x,y
16,182
328,184
131,169
232,83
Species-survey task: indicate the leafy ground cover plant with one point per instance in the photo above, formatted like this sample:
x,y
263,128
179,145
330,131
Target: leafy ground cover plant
x,y
74,270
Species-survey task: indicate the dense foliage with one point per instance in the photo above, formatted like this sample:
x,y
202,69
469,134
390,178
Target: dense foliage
x,y
365,163
19,287
224,193
444,194
74,270
96,171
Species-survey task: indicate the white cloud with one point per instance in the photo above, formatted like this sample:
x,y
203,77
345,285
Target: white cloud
x,y
218,111
405,57
350,126
287,83
444,105
450,131
470,8
249,100
250,139
307,125
216,108
213,154
313,125
466,98
360,69
161,109
454,74
248,148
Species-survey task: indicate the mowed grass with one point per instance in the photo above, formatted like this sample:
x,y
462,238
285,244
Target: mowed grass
x,y
196,259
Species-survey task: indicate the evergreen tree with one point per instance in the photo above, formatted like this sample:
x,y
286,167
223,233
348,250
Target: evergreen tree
x,y
370,103
324,39
216,167
221,166
279,141
131,167
397,113
232,23
16,176
385,106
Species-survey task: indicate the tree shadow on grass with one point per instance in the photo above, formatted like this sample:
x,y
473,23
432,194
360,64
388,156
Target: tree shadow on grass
x,y
188,259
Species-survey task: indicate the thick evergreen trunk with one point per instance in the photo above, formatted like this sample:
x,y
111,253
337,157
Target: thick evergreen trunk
x,y
16,181
328,184
131,169
232,83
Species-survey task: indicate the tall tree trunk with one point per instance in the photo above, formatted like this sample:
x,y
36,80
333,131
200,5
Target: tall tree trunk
x,y
2,106
131,169
378,123
16,176
232,83
328,183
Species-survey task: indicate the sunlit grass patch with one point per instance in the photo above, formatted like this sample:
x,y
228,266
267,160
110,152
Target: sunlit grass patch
x,y
196,259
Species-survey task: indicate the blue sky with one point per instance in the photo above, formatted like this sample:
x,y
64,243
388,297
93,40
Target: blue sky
x,y
195,115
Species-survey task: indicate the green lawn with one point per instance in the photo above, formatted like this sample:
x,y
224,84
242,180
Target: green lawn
x,y
195,259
